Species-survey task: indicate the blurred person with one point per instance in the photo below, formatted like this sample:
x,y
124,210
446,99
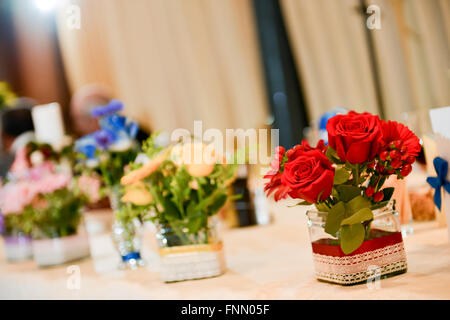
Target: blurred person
x,y
84,99
17,130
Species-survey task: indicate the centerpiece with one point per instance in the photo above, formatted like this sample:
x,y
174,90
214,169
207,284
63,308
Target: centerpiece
x,y
354,227
182,197
103,155
41,201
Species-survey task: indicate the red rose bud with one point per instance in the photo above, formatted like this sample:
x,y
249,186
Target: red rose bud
x,y
397,163
384,155
380,167
371,165
398,144
406,170
403,149
394,154
410,159
378,196
370,191
391,171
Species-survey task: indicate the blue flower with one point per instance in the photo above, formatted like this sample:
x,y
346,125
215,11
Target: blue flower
x,y
132,129
86,145
113,122
112,107
104,138
88,151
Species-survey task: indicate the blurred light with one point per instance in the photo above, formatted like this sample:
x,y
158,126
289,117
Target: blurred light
x,y
45,5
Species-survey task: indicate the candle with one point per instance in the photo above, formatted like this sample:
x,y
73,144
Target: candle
x,y
48,123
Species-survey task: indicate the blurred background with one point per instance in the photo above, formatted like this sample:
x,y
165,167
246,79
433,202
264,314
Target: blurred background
x,y
230,63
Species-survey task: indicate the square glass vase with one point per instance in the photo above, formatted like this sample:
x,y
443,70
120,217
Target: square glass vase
x,y
17,247
56,251
185,256
381,255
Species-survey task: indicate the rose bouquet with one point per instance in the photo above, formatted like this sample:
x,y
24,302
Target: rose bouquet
x,y
39,199
344,181
181,196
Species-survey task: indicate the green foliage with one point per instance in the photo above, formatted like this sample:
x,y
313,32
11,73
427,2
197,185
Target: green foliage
x,y
6,95
341,176
334,218
352,236
58,218
149,146
347,192
333,156
183,203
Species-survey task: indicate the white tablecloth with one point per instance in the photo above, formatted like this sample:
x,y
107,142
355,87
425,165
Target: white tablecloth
x,y
264,262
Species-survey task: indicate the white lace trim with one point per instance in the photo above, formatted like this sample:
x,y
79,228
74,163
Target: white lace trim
x,y
371,273
192,265
357,268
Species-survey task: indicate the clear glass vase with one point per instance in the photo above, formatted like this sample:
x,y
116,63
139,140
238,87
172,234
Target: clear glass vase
x,y
56,249
381,255
187,256
17,246
127,235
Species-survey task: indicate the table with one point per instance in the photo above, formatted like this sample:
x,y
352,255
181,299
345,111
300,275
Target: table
x,y
264,262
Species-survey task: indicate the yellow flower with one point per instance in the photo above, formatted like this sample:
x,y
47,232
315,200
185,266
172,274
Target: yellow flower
x,y
144,171
137,194
198,158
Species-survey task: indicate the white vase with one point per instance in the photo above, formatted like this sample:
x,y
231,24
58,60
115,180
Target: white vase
x,y
17,248
50,252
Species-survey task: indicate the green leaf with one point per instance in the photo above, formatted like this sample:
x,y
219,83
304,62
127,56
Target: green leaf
x,y
341,176
352,236
347,192
379,205
388,192
333,156
362,215
357,204
170,210
301,203
334,218
218,203
322,207
196,223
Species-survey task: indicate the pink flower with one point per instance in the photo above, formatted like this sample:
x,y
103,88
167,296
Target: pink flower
x,y
52,182
91,187
14,197
20,166
38,172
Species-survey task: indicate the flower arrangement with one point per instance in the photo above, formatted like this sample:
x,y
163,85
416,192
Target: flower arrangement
x,y
6,95
345,178
106,152
40,198
176,192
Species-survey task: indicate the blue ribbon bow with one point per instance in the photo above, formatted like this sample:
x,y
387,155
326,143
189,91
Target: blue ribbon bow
x,y
441,167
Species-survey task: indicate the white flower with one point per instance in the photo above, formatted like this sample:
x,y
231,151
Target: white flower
x,y
37,158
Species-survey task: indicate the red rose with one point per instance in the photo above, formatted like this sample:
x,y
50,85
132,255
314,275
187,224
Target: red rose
x,y
309,175
304,146
355,136
275,184
394,133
